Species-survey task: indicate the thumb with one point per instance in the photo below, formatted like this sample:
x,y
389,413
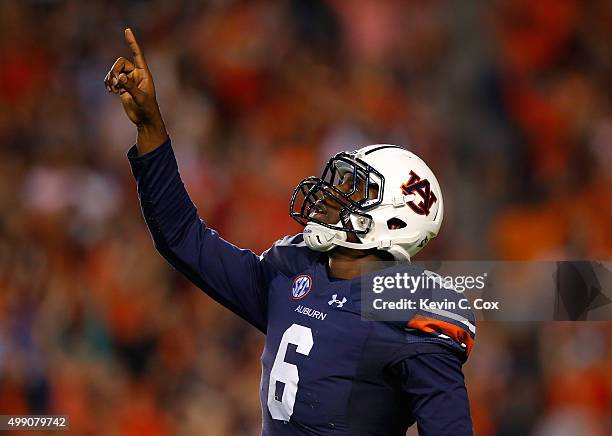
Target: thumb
x,y
127,82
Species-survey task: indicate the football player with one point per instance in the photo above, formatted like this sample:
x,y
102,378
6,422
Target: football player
x,y
325,371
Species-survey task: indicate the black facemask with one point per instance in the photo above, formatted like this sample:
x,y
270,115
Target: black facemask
x,y
354,203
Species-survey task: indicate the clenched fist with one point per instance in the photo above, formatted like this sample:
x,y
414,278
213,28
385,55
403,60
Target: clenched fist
x,y
133,82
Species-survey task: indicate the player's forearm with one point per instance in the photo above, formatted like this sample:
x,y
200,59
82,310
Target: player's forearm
x,y
165,203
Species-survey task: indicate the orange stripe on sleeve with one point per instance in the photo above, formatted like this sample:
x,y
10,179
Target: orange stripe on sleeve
x,y
430,325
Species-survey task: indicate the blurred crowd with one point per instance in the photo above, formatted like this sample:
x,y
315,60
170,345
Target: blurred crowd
x,y
509,102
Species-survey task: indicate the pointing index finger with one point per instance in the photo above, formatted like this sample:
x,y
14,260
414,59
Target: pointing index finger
x,y
139,59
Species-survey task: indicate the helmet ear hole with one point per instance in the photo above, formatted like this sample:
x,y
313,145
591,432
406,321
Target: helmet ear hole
x,y
395,223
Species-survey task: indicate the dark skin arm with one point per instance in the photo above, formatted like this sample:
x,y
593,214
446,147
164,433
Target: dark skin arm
x,y
133,82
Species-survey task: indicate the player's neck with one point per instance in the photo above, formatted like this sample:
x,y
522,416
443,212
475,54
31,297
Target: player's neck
x,y
347,264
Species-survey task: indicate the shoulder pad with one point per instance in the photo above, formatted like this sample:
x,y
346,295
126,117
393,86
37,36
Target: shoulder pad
x,y
441,316
290,255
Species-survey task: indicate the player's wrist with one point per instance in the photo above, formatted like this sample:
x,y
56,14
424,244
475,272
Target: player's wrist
x,y
150,136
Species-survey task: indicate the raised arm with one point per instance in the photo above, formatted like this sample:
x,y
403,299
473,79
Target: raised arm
x,y
234,277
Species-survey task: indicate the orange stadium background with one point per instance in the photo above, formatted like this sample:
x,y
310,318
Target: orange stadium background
x,y
510,102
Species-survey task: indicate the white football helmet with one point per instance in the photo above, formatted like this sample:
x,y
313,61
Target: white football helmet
x,y
399,210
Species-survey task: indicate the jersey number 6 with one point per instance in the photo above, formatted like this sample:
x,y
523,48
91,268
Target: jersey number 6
x,y
287,373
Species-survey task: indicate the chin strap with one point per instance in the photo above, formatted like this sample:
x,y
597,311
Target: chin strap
x,y
321,238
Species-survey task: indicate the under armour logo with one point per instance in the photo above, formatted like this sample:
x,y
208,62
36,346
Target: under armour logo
x,y
335,300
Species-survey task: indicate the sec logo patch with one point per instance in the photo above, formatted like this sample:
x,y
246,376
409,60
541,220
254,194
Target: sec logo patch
x,y
301,286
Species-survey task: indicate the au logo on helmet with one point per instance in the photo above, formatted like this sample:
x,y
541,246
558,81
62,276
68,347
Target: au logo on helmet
x,y
301,286
423,188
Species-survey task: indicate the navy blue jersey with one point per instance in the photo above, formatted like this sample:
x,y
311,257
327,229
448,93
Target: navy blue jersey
x,y
325,371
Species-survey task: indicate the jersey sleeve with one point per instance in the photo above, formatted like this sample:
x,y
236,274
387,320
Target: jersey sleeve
x,y
236,278
434,384
454,324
